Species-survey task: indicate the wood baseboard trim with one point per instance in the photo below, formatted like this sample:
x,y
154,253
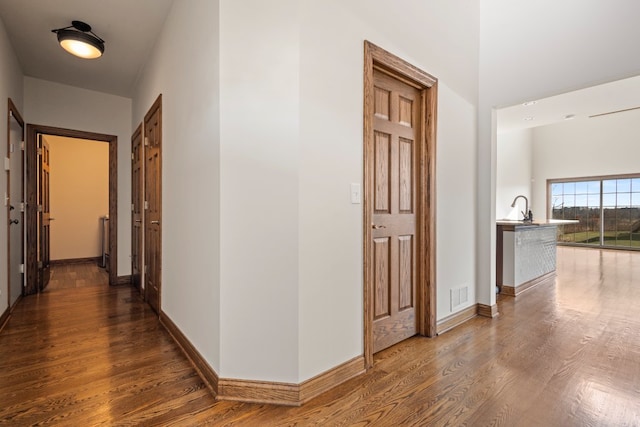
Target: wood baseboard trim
x,y
258,392
487,310
76,261
317,385
515,291
4,317
124,280
206,373
289,394
456,319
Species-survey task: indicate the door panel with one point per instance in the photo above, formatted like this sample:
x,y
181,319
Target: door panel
x,y
153,211
137,184
44,214
396,112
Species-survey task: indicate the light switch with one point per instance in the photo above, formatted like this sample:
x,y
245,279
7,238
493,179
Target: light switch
x,y
355,193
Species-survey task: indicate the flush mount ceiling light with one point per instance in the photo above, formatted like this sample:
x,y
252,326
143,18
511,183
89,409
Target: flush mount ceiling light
x,y
79,40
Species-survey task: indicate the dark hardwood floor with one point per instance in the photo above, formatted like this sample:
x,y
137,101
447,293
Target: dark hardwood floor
x,y
563,354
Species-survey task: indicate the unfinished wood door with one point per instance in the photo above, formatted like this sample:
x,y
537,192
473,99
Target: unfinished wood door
x,y
137,200
153,205
44,208
396,129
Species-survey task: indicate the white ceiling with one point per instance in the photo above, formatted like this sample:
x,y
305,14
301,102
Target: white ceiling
x,y
129,28
606,98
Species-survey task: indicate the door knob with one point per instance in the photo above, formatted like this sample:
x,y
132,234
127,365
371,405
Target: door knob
x,y
155,222
13,221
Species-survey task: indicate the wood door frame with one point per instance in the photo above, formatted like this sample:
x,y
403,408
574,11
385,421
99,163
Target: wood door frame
x,y
377,58
12,111
31,267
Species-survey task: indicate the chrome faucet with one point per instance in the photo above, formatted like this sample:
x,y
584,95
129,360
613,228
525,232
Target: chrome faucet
x,y
528,216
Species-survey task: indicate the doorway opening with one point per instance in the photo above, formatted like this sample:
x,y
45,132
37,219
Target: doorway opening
x,y
38,240
400,103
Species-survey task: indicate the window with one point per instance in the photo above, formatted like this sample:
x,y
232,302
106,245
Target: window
x,y
608,209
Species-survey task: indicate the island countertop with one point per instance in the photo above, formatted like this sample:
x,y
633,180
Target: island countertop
x,y
535,222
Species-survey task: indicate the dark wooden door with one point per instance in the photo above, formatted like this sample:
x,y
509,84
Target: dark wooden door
x,y
137,202
396,129
44,208
153,205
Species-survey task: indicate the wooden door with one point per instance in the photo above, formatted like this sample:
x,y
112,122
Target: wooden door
x,y
153,204
44,209
396,130
136,207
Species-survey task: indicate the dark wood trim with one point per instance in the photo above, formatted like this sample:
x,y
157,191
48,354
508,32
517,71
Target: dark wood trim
x,y
31,266
76,261
488,310
208,375
457,319
124,280
514,291
378,58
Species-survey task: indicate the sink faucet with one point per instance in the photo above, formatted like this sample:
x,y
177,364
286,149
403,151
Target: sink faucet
x,y
528,216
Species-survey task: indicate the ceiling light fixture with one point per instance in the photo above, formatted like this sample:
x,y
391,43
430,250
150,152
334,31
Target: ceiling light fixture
x,y
529,103
79,40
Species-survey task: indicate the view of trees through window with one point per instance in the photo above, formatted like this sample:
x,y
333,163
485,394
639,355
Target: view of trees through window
x,y
608,210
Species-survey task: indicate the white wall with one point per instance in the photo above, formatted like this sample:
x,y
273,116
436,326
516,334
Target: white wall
x,y
79,194
605,145
514,173
54,104
530,50
331,120
10,87
183,66
259,176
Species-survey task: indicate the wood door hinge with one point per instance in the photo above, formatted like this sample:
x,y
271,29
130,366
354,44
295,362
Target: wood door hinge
x,y
39,208
39,151
22,145
40,264
22,268
146,141
146,205
21,206
133,157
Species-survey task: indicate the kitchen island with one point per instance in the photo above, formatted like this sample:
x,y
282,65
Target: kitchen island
x,y
526,254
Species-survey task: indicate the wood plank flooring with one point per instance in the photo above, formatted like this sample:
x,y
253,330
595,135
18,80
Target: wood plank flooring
x,y
563,354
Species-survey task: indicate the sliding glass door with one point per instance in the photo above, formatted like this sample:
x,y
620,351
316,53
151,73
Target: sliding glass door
x,y
608,209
